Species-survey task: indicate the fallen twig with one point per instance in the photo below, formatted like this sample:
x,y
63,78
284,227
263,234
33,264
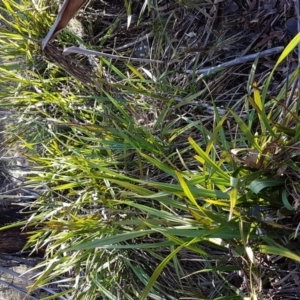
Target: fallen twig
x,y
74,49
236,61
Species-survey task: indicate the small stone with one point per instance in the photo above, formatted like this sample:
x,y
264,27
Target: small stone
x,y
292,26
141,50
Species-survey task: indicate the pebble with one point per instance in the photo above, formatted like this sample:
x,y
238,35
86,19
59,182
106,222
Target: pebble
x,y
292,26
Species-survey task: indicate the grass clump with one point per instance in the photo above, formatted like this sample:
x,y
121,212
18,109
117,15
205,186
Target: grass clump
x,y
148,188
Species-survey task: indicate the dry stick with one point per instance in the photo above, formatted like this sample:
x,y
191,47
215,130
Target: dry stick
x,y
15,287
74,49
26,281
236,61
15,274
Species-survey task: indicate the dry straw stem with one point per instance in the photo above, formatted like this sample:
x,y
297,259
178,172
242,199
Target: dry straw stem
x,y
78,50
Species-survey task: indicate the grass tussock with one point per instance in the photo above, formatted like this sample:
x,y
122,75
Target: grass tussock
x,y
154,181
